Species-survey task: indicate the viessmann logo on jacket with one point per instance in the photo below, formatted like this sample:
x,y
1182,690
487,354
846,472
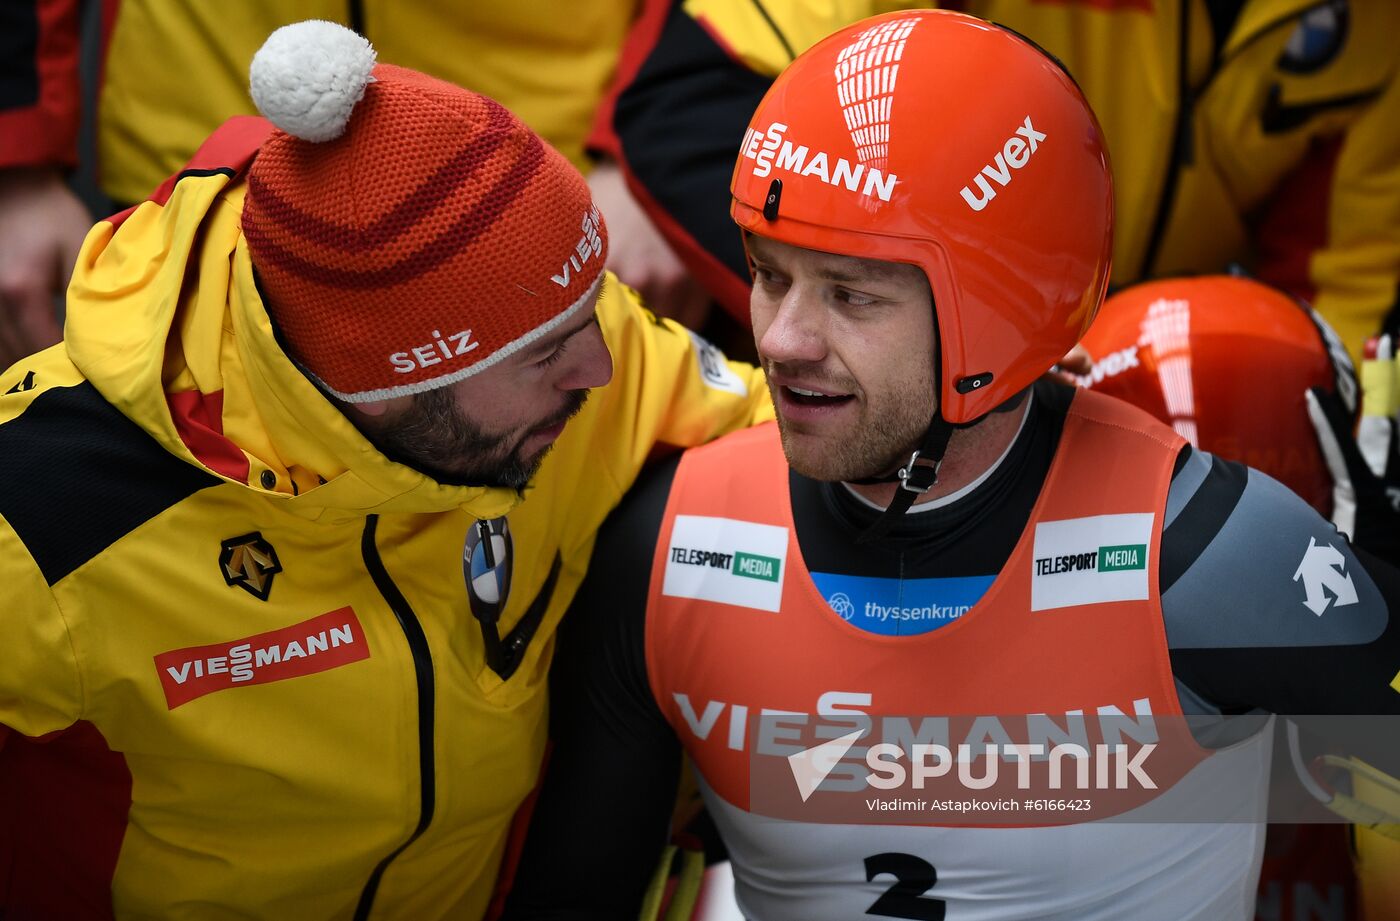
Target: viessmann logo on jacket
x,y
1090,560
316,645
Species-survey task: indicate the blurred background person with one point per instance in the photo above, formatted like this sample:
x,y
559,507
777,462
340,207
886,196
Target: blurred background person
x,y
1234,367
172,72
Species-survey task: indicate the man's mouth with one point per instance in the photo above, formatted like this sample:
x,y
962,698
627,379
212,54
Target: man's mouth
x,y
549,431
553,427
802,396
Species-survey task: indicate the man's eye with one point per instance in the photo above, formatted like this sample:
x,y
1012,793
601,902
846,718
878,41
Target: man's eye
x,y
855,298
553,356
766,277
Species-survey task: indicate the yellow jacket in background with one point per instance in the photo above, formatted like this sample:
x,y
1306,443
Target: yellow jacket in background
x,y
173,70
1276,146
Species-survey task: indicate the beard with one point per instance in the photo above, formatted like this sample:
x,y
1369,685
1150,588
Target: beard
x,y
435,437
889,423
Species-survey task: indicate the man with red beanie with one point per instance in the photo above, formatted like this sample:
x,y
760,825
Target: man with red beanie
x,y
269,646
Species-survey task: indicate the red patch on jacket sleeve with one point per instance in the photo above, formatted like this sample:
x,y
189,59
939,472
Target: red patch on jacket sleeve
x,y
1292,225
64,801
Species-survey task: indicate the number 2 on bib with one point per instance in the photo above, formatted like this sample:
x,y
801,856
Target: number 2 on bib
x,y
905,899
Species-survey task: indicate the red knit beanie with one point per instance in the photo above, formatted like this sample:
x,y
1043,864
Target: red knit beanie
x,y
407,233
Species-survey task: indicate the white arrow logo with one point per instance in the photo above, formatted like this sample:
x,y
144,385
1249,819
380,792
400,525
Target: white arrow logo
x,y
1321,569
810,766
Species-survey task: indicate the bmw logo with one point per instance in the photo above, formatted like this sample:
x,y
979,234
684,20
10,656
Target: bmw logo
x,y
1316,40
486,565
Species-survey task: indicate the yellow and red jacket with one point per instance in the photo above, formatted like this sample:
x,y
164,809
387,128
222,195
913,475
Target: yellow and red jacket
x,y
173,71
1272,143
240,676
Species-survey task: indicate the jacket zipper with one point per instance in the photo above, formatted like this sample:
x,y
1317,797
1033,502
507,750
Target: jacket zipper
x,y
355,13
1183,135
423,672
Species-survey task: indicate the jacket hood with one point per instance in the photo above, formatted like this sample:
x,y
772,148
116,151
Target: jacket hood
x,y
165,320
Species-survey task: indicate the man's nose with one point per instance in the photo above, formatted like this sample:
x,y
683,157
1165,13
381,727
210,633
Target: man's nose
x,y
797,332
589,361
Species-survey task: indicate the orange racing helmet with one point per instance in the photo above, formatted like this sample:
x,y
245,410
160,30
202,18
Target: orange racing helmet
x,y
1225,361
937,139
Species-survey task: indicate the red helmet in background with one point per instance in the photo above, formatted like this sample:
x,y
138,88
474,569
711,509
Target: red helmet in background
x,y
937,139
1225,361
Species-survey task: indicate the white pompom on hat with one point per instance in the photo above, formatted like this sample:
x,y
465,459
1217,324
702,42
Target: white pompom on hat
x,y
308,76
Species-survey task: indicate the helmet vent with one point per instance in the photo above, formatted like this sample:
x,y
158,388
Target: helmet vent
x,y
770,204
974,382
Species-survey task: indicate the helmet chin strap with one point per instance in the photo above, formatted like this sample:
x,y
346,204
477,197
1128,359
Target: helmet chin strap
x,y
920,474
915,478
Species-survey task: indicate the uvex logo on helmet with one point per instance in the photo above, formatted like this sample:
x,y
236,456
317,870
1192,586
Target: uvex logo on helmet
x,y
1015,153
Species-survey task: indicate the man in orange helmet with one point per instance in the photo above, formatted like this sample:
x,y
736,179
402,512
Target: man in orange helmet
x,y
932,532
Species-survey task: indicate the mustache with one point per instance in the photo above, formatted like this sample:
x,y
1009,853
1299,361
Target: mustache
x,y
810,372
573,405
